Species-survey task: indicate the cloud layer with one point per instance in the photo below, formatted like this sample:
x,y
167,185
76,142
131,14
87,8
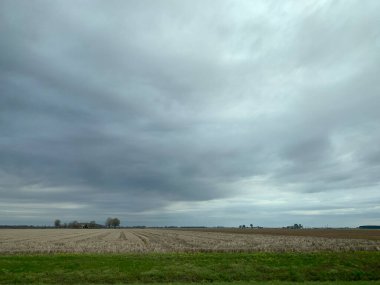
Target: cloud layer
x,y
190,113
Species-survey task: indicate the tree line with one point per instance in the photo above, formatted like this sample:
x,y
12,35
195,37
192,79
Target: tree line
x,y
109,223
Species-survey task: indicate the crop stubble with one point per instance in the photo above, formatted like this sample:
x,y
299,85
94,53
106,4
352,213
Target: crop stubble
x,y
162,240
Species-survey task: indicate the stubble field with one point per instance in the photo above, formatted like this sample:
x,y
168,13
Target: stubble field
x,y
318,232
170,241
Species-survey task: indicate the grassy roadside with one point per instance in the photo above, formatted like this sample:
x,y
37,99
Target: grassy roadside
x,y
196,267
273,283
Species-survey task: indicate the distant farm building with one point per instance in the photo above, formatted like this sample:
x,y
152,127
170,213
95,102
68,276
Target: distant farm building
x,y
89,226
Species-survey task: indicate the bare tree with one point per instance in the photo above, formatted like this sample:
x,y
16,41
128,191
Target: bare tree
x,y
115,222
112,222
109,222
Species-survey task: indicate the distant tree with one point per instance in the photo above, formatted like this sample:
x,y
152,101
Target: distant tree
x,y
108,222
92,224
57,223
251,225
297,226
112,222
115,222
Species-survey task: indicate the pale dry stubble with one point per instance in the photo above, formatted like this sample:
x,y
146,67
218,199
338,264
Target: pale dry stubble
x,y
164,240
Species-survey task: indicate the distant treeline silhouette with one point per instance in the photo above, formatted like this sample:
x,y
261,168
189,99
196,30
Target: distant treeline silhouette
x,y
110,222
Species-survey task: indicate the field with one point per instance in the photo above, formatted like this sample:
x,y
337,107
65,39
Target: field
x,y
321,232
221,256
162,240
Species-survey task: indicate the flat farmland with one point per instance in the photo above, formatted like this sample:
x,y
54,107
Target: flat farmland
x,y
13,241
325,233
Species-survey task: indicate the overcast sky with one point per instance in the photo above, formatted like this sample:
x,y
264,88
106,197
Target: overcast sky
x,y
190,112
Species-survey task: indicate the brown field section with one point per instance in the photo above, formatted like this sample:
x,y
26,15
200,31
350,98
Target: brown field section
x,y
323,233
165,240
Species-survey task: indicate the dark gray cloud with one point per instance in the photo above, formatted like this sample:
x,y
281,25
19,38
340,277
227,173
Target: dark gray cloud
x,y
165,112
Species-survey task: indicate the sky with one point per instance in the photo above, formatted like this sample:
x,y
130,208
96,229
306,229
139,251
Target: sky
x,y
190,113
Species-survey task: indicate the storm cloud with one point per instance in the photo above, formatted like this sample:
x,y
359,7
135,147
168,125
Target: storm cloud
x,y
190,112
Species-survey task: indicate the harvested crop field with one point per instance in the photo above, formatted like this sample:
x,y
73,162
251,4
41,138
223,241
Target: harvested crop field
x,y
325,233
161,240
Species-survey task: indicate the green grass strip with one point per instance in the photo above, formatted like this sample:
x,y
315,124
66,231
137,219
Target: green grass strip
x,y
186,267
275,283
